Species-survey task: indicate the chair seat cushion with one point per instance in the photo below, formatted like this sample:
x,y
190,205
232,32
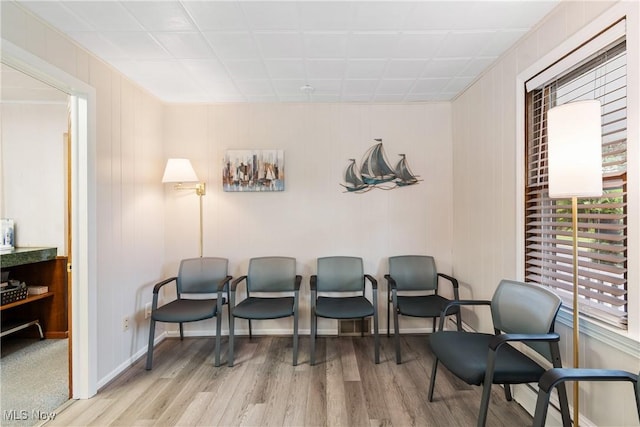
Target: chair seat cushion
x,y
465,355
343,307
423,305
264,308
186,310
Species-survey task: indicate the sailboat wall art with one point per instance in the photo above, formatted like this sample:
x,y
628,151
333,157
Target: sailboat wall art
x,y
253,170
376,172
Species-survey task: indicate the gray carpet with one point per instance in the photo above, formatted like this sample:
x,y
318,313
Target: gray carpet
x,y
34,379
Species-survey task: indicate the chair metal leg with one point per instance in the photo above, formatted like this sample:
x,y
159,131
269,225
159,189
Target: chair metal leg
x,y
152,331
433,328
376,337
250,334
181,332
295,338
542,405
486,389
231,336
388,313
218,332
396,334
459,320
433,379
507,392
312,351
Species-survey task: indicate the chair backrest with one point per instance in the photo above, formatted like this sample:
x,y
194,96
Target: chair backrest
x,y
201,275
340,274
414,272
271,274
525,308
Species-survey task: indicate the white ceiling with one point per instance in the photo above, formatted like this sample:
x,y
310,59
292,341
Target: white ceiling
x,y
265,51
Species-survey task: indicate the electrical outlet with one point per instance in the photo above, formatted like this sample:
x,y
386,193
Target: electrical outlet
x,y
147,310
125,323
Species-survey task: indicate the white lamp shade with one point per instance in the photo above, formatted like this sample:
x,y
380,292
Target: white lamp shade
x,y
179,170
575,150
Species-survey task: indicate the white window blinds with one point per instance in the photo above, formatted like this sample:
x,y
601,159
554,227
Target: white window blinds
x,y
602,231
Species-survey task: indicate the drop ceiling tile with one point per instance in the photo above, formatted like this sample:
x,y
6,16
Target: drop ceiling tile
x,y
160,15
359,87
271,15
439,15
99,45
372,45
381,15
388,97
464,44
325,86
58,15
263,99
325,98
137,45
326,68
328,15
350,97
477,65
289,87
419,45
285,68
429,85
404,68
250,88
500,41
184,45
399,86
216,15
104,16
280,45
233,45
366,68
246,69
325,45
445,67
457,84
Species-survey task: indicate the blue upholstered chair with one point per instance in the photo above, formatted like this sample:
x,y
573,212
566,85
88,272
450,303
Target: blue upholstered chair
x,y
341,280
267,275
522,313
412,290
196,277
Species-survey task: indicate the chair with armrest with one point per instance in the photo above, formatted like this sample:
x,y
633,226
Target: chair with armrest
x,y
342,275
558,376
521,313
267,275
196,277
412,289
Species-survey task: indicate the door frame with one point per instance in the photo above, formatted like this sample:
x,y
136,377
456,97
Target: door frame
x,y
83,310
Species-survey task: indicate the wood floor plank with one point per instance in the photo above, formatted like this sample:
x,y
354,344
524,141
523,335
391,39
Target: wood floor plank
x,y
344,388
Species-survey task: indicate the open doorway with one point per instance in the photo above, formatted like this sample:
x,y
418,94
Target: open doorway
x,y
82,225
36,195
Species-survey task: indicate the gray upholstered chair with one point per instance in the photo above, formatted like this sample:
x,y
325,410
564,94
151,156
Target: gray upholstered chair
x,y
522,313
412,290
340,275
556,376
196,277
267,275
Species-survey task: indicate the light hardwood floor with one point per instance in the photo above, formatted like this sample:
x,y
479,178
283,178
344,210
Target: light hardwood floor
x,y
344,388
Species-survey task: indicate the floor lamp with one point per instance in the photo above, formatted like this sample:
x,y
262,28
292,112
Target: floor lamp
x,y
575,170
179,171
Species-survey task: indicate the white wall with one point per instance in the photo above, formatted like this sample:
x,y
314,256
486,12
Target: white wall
x,y
129,212
487,128
314,216
32,140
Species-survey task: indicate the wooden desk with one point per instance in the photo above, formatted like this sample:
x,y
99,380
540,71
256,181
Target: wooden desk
x,y
38,266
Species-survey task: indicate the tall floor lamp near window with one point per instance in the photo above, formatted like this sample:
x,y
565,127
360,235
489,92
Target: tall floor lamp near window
x,y
575,170
180,171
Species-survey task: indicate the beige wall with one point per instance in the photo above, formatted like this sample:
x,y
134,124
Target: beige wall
x,y
314,216
487,128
